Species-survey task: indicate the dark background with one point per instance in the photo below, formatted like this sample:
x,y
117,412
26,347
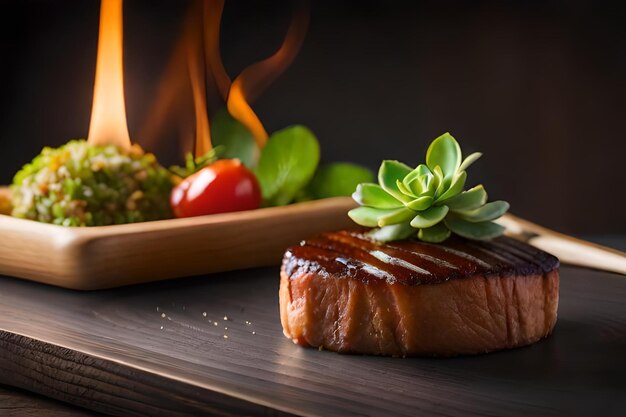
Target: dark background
x,y
539,87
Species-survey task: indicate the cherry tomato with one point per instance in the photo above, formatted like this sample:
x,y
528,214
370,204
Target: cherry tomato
x,y
224,186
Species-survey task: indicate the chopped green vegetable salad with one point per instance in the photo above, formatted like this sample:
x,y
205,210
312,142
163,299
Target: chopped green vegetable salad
x,y
83,185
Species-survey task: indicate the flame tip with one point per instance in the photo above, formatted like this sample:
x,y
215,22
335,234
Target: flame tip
x,y
108,116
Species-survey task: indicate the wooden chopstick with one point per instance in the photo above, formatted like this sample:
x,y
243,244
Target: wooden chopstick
x,y
568,249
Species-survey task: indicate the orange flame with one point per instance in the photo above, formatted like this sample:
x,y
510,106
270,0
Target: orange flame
x,y
108,115
217,76
170,108
257,77
196,77
196,69
198,88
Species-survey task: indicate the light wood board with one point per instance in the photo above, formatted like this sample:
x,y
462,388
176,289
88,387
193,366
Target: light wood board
x,y
113,256
150,350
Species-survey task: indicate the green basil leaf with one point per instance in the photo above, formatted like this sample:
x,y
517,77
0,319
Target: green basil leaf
x,y
338,179
401,215
446,153
489,211
467,200
470,160
478,231
389,173
393,232
436,234
235,138
368,216
287,164
430,217
372,195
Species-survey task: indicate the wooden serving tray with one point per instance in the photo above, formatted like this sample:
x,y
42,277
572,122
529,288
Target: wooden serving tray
x,y
113,256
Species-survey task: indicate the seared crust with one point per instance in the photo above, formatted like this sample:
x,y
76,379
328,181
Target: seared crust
x,y
412,298
412,262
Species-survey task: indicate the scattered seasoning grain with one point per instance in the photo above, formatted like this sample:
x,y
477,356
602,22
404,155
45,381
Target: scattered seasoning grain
x,y
157,309
161,327
215,323
225,336
248,322
253,332
225,317
163,315
225,328
204,314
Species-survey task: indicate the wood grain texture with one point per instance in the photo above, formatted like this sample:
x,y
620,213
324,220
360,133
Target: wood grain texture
x,y
18,403
130,351
112,256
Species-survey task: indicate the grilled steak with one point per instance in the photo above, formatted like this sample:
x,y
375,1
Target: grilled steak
x,y
343,292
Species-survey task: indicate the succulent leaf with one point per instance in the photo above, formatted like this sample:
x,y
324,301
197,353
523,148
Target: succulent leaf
x,y
368,216
458,182
397,216
416,185
388,175
411,176
404,189
467,200
436,234
428,201
446,153
469,161
477,231
373,195
430,217
487,212
420,203
430,183
395,232
440,186
418,172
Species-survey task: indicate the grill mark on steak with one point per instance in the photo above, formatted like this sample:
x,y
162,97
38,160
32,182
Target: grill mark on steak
x,y
541,258
500,256
523,255
425,257
398,261
451,252
402,253
412,262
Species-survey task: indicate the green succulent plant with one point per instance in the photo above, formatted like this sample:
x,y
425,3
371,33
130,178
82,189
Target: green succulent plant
x,y
428,201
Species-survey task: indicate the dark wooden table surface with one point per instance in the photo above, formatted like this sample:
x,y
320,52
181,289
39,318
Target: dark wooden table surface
x,y
167,349
19,403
